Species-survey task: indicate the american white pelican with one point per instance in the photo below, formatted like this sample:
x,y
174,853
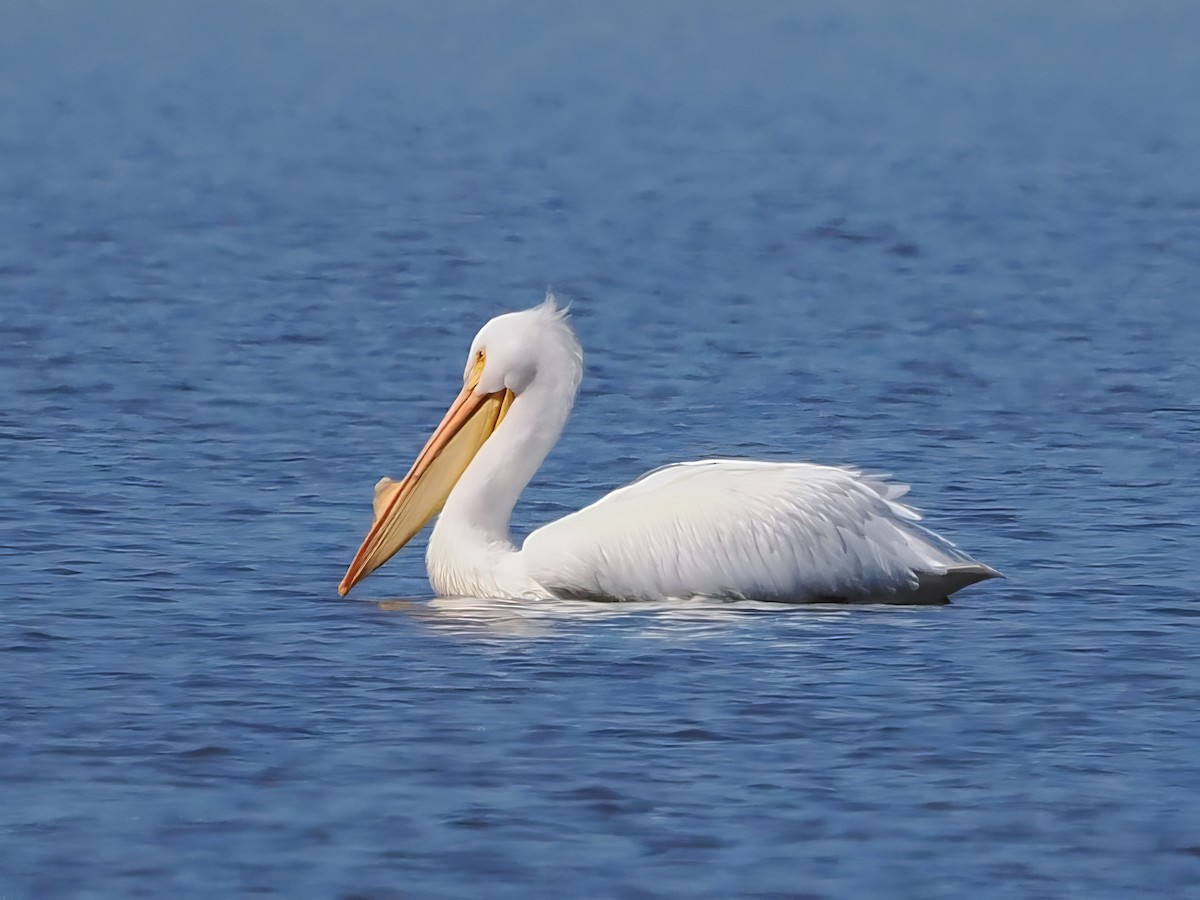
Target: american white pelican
x,y
723,528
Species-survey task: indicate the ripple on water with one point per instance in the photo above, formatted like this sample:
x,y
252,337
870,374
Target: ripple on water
x,y
239,276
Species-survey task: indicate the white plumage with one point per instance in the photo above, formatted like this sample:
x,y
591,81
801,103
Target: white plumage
x,y
737,529
744,529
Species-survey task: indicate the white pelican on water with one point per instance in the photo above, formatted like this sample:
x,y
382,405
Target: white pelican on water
x,y
724,528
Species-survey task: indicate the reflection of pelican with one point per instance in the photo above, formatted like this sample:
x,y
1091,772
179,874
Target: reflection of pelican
x,y
696,617
719,528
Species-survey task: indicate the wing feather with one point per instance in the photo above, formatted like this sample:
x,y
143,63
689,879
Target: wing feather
x,y
745,529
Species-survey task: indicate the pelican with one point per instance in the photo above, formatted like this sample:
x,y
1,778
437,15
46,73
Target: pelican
x,y
719,528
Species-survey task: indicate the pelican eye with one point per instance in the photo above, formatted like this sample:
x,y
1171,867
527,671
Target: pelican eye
x,y
476,370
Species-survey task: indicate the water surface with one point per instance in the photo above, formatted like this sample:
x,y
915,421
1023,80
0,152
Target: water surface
x,y
245,251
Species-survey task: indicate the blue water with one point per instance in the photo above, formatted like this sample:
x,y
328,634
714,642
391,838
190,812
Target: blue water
x,y
244,250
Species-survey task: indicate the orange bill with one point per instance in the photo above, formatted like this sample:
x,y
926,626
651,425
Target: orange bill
x,y
403,508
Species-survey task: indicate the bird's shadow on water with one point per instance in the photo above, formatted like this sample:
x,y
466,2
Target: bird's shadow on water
x,y
493,618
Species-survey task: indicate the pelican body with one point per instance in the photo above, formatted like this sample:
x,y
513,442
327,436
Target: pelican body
x,y
722,528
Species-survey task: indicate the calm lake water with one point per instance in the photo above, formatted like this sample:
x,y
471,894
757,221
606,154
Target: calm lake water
x,y
245,249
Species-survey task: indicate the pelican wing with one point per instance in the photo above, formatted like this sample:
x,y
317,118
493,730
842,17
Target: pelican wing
x,y
746,529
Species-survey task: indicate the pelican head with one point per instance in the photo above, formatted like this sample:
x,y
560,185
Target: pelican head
x,y
514,357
